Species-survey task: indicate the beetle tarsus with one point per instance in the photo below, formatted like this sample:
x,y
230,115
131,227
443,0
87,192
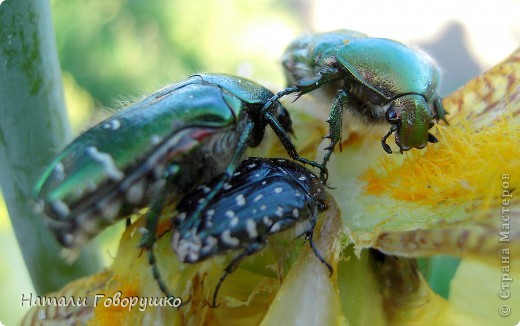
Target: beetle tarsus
x,y
317,253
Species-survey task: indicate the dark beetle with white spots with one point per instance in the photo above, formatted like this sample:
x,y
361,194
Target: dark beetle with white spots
x,y
264,197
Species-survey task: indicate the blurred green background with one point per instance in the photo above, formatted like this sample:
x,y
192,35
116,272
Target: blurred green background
x,y
112,52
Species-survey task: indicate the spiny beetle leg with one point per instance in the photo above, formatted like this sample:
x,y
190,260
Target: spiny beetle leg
x,y
335,122
289,146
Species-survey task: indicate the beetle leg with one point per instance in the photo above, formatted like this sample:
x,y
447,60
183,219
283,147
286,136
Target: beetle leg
x,y
309,236
149,239
248,251
193,219
317,253
289,146
335,123
383,140
303,88
440,112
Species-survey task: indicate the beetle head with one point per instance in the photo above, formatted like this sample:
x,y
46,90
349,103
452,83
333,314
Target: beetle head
x,y
411,118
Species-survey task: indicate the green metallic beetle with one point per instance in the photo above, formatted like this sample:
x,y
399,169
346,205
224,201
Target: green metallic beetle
x,y
169,142
379,80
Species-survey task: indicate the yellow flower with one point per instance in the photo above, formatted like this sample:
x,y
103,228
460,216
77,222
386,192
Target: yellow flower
x,y
457,197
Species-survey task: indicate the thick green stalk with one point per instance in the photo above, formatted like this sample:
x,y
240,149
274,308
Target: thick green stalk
x,y
33,126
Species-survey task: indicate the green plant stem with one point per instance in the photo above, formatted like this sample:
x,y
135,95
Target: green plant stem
x,y
33,126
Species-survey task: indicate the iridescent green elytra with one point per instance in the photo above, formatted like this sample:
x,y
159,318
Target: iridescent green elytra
x,y
379,80
173,140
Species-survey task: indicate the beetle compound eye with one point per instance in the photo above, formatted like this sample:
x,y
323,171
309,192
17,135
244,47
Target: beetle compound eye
x,y
392,117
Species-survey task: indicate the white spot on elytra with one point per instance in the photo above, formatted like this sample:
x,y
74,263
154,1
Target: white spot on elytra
x,y
266,220
228,239
234,221
296,213
302,178
154,140
209,243
60,208
59,171
278,190
279,211
252,165
227,186
135,193
275,228
181,217
112,124
206,189
251,228
264,182
210,212
187,250
263,208
258,197
68,238
110,210
241,200
107,162
230,214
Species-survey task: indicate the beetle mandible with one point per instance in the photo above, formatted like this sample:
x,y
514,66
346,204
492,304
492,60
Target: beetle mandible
x,y
379,80
176,138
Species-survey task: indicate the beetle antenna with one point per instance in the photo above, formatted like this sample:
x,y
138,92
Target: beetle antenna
x,y
383,140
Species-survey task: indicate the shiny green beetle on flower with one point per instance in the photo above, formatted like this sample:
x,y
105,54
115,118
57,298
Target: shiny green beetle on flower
x,y
377,79
169,142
